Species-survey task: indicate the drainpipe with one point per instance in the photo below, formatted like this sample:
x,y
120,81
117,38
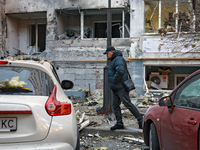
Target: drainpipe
x,y
107,97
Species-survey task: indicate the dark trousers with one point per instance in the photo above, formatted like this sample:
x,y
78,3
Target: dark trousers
x,y
123,96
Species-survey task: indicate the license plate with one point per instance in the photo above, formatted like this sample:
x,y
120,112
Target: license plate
x,y
8,124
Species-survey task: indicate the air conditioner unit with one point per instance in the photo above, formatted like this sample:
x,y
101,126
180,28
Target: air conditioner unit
x,y
161,80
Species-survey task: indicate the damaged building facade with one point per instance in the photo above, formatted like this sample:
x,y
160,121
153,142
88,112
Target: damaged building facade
x,y
159,39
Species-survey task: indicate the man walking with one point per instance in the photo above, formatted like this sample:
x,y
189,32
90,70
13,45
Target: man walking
x,y
117,74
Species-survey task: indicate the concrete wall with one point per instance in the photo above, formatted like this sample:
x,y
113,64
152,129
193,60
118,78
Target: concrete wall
x,y
16,6
82,73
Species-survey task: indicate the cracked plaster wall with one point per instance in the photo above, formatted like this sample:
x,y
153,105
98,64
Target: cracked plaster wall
x,y
16,6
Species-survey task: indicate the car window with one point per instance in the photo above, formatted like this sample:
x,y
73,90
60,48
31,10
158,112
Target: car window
x,y
24,81
188,94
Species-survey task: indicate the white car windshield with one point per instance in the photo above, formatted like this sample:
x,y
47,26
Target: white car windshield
x,y
24,81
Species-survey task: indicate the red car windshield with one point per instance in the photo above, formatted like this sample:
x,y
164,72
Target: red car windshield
x,y
24,81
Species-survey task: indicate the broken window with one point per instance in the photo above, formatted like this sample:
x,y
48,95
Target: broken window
x,y
168,16
37,37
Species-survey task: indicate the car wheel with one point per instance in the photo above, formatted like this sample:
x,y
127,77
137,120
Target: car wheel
x,y
153,138
78,141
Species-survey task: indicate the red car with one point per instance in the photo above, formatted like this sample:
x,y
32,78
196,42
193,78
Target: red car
x,y
174,124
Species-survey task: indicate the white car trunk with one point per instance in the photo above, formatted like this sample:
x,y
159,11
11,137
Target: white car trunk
x,y
23,118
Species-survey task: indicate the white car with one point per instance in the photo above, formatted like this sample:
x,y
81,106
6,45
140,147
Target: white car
x,y
35,113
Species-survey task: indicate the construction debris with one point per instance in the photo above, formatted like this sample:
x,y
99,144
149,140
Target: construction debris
x,y
84,124
135,140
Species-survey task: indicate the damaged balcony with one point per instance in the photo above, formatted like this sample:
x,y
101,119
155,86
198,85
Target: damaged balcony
x,y
88,27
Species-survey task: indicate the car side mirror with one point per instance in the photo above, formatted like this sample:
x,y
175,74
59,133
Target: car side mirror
x,y
66,84
167,101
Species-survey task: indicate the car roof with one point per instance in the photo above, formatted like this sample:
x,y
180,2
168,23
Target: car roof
x,y
42,64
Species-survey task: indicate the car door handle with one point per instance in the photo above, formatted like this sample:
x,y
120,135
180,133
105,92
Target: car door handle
x,y
192,122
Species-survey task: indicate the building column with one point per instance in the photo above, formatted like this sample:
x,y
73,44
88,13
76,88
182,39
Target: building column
x,y
51,25
137,22
2,30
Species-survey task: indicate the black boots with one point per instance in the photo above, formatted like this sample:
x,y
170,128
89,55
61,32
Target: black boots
x,y
117,126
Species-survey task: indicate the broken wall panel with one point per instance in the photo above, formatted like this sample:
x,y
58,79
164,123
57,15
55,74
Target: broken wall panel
x,y
77,53
91,43
175,45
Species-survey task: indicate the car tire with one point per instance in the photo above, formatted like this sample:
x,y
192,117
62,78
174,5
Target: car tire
x,y
153,138
78,141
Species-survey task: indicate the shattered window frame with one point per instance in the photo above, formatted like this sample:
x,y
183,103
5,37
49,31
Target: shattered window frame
x,y
169,16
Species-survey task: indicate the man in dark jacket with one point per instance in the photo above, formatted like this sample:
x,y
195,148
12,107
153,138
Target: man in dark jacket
x,y
117,74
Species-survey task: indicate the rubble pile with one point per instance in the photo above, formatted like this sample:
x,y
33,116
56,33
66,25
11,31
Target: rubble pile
x,y
86,109
93,142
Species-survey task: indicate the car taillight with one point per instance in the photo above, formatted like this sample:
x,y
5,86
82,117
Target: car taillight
x,y
3,62
56,108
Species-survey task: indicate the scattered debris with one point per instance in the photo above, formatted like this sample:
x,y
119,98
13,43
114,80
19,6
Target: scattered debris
x,y
134,139
162,31
84,124
81,120
73,34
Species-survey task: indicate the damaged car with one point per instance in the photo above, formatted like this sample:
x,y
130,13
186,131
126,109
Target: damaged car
x,y
35,113
174,123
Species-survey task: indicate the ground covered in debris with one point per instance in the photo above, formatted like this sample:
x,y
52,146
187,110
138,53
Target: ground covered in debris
x,y
110,143
86,112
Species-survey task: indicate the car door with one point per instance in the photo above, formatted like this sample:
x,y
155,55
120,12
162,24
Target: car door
x,y
180,129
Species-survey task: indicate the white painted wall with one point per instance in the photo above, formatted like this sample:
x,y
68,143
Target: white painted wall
x,y
12,35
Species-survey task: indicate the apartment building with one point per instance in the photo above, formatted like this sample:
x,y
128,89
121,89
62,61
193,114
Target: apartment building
x,y
159,39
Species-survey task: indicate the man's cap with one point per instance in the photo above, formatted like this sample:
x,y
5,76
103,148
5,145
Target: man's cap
x,y
109,48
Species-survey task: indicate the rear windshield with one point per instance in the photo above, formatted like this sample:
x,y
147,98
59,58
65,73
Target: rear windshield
x,y
24,81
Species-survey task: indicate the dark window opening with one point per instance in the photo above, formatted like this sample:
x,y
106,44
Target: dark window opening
x,y
41,36
32,35
101,30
